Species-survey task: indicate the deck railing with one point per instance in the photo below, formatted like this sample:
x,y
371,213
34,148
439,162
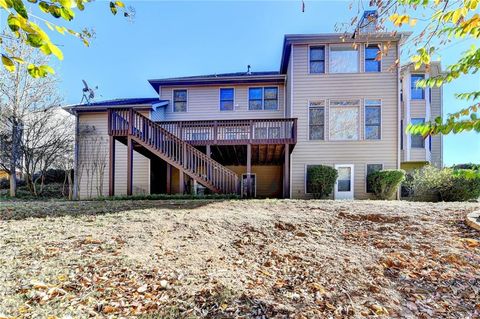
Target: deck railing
x,y
227,132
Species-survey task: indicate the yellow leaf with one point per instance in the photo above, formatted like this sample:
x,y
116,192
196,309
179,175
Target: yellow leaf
x,y
8,63
413,22
59,29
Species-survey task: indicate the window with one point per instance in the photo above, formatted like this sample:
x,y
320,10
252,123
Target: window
x,y
317,59
344,120
226,99
270,98
316,120
179,100
373,119
417,141
373,62
372,168
263,98
343,60
417,92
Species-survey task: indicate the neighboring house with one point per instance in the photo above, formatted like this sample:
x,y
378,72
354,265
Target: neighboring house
x,y
331,103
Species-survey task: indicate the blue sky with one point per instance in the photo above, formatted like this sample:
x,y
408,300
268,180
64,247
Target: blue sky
x,y
182,38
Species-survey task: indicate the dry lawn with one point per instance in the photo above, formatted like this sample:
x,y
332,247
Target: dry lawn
x,y
238,259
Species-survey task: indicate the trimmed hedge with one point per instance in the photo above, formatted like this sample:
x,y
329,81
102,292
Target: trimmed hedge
x,y
385,183
321,180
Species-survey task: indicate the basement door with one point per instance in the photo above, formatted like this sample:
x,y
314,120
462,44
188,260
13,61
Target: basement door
x,y
344,183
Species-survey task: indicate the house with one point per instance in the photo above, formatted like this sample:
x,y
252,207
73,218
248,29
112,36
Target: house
x,y
335,100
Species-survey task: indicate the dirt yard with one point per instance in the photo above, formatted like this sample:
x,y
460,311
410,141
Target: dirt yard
x,y
238,259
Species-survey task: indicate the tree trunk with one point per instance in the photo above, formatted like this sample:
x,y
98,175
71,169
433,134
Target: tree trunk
x,y
13,183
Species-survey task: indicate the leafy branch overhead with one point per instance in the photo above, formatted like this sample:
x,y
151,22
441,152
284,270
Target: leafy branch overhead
x,y
444,23
30,28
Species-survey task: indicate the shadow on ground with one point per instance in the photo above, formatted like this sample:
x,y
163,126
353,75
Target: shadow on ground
x,y
13,210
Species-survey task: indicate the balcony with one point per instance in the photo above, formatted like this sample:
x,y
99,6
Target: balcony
x,y
234,132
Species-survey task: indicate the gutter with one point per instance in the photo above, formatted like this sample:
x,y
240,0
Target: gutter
x,y
76,195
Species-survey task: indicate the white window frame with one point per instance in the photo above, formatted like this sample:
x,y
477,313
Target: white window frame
x,y
173,100
324,119
220,99
365,120
358,123
424,89
333,46
366,173
412,135
365,58
263,97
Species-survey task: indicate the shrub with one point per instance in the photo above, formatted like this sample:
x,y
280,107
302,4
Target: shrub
x,y
447,184
463,185
52,176
321,180
385,183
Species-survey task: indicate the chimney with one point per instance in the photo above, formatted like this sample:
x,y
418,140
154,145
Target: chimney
x,y
368,22
248,70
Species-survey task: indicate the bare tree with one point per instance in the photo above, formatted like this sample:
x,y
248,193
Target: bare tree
x,y
94,159
32,130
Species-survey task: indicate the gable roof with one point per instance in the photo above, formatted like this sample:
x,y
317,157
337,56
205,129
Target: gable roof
x,y
223,78
149,102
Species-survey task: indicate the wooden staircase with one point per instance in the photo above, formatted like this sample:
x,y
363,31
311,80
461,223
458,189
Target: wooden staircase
x,y
173,150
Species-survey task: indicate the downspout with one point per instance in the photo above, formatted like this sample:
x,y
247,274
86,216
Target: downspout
x,y
399,116
75,158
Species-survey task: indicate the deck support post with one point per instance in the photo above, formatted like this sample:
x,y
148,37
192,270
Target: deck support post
x,y
169,178
181,181
249,170
208,151
129,166
111,168
286,172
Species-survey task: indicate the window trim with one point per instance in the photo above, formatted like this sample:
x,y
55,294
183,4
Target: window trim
x,y
423,89
365,58
263,97
366,173
359,119
342,46
365,120
220,99
324,119
324,57
173,100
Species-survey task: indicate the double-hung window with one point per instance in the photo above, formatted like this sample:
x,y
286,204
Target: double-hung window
x,y
316,120
372,168
317,59
343,120
179,100
373,62
343,59
417,93
263,98
373,119
417,140
226,99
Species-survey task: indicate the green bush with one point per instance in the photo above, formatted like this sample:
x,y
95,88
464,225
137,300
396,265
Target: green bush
x,y
432,184
320,180
385,183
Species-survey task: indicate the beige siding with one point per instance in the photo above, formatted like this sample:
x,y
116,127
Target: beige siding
x,y
204,104
437,145
269,179
288,91
308,87
91,183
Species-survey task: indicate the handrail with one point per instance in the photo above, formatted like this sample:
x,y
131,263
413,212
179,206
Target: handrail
x,y
123,122
224,132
